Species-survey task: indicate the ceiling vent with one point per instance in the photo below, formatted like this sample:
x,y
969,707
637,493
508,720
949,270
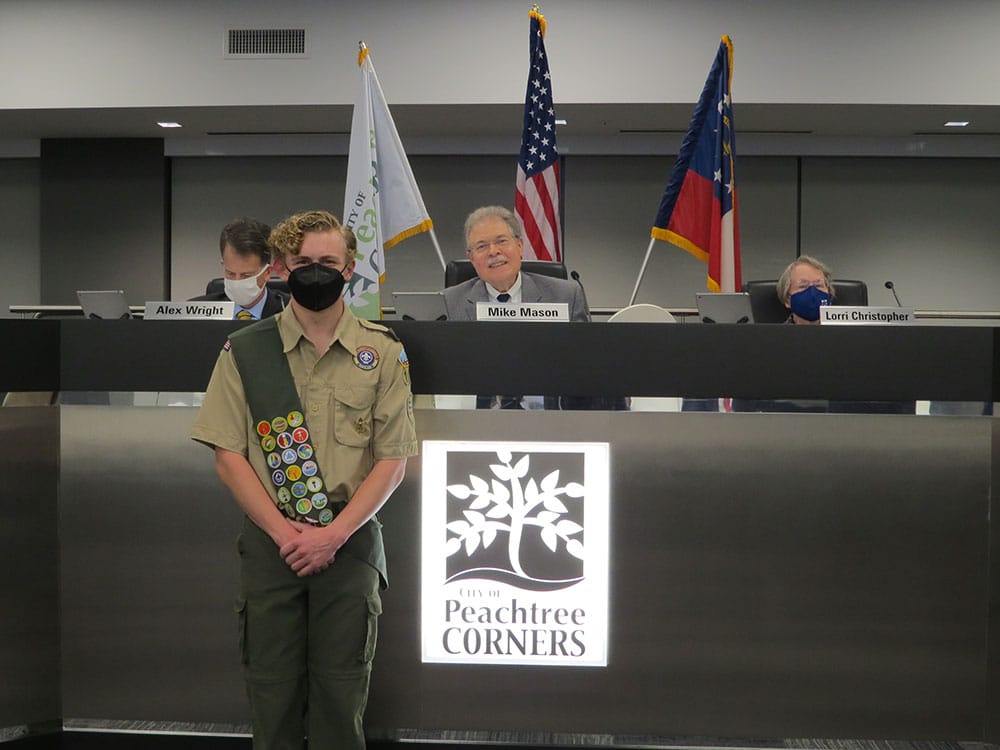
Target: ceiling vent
x,y
242,43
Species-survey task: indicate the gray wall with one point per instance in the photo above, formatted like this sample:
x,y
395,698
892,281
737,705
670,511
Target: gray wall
x,y
931,227
113,53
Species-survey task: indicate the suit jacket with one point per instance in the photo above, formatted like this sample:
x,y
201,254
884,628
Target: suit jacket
x,y
276,301
460,300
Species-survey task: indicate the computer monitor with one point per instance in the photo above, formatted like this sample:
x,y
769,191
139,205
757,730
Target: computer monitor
x,y
419,305
724,307
108,304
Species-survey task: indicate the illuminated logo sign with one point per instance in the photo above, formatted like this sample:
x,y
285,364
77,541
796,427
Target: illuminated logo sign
x,y
515,553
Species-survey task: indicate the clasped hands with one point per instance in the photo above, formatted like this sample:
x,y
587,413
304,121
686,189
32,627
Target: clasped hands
x,y
312,550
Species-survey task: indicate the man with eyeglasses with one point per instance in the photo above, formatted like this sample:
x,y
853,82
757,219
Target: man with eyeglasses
x,y
493,244
246,268
310,416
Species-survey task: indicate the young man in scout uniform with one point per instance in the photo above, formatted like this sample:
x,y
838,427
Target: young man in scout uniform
x,y
310,416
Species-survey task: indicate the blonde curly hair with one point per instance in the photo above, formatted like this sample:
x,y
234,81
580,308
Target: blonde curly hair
x,y
286,238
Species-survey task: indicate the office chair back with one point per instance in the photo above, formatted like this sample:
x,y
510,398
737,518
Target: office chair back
x,y
767,308
458,271
642,312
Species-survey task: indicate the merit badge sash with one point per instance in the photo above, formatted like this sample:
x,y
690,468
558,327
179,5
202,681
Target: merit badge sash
x,y
280,424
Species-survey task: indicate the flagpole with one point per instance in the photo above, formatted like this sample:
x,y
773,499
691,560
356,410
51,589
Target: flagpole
x,y
642,271
434,239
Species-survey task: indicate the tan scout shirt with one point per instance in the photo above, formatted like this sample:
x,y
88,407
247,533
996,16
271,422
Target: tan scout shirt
x,y
355,416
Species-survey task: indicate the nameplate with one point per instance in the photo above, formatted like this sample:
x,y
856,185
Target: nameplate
x,y
844,315
532,312
189,310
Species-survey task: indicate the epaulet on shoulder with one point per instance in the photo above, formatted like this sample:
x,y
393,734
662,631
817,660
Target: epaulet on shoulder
x,y
373,326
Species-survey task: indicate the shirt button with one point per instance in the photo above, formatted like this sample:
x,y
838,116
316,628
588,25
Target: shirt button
x,y
314,408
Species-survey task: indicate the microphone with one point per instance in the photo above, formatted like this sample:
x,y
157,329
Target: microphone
x,y
889,285
576,277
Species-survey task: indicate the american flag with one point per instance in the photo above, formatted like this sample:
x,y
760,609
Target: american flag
x,y
536,199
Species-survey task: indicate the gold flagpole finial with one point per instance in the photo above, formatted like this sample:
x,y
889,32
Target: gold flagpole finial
x,y
536,12
362,51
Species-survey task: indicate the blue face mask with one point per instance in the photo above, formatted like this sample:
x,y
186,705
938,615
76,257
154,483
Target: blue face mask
x,y
806,304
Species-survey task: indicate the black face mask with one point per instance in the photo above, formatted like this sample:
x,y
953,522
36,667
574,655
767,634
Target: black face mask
x,y
316,287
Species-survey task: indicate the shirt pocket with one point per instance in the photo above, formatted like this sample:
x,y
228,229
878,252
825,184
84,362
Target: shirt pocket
x,y
352,408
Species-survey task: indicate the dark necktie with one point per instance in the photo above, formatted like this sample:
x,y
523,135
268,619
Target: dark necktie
x,y
503,297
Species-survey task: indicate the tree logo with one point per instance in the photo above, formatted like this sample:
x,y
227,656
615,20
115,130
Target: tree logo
x,y
514,552
517,525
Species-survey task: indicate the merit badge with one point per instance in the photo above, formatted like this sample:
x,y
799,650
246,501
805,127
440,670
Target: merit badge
x,y
325,516
305,451
285,440
315,484
273,460
284,496
309,468
263,428
366,358
300,435
278,478
303,506
295,419
280,424
268,443
299,489
289,455
319,501
294,473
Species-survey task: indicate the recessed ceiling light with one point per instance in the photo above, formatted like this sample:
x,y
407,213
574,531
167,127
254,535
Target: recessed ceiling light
x,y
956,123
169,124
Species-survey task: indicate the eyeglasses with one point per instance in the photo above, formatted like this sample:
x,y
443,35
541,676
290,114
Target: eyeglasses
x,y
500,243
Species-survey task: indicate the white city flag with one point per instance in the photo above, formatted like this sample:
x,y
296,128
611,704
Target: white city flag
x,y
382,203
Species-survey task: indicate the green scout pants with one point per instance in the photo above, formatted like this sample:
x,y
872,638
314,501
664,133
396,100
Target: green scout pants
x,y
307,646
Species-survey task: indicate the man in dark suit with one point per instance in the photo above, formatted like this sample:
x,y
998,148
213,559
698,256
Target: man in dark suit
x,y
246,268
493,244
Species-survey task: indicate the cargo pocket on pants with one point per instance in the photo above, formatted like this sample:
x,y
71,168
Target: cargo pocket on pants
x,y
374,610
241,628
